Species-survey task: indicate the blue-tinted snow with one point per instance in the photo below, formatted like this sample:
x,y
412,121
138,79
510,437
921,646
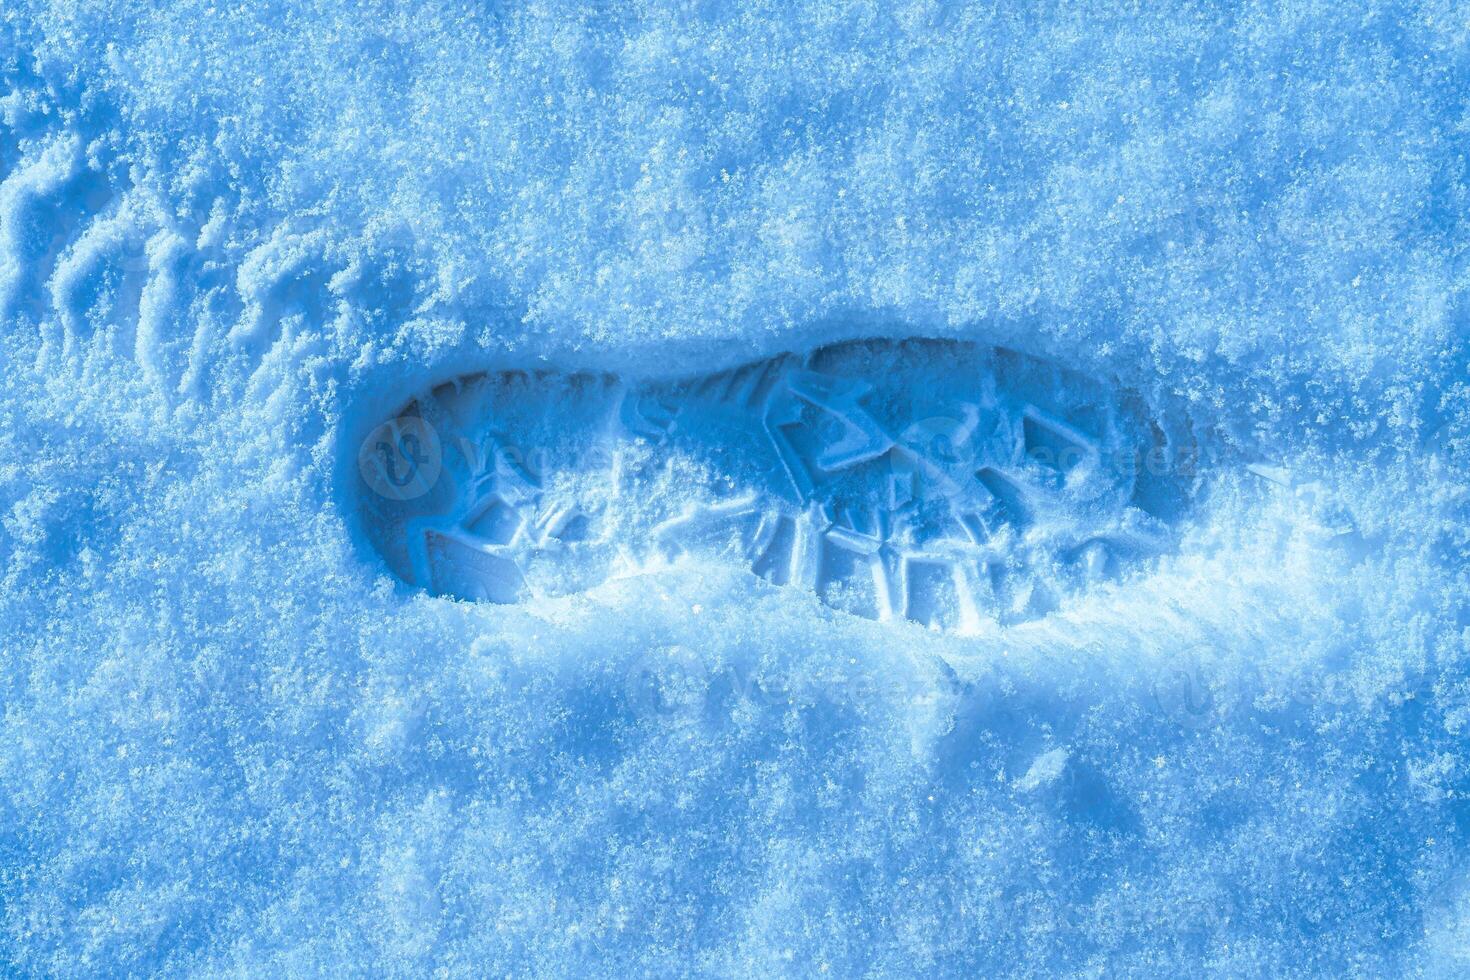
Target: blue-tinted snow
x,y
230,236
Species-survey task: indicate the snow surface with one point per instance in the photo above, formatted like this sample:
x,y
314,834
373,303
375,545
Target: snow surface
x,y
233,238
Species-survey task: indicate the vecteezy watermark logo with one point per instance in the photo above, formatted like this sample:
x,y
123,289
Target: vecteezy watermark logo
x,y
1182,694
935,448
669,682
401,459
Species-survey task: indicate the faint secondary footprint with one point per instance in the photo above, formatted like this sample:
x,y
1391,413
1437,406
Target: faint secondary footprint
x,y
106,265
940,482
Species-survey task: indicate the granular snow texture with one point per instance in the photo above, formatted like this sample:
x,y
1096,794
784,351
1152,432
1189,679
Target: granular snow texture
x,y
234,237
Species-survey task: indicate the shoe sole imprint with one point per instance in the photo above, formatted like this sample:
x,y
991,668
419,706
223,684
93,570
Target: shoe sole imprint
x,y
936,481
